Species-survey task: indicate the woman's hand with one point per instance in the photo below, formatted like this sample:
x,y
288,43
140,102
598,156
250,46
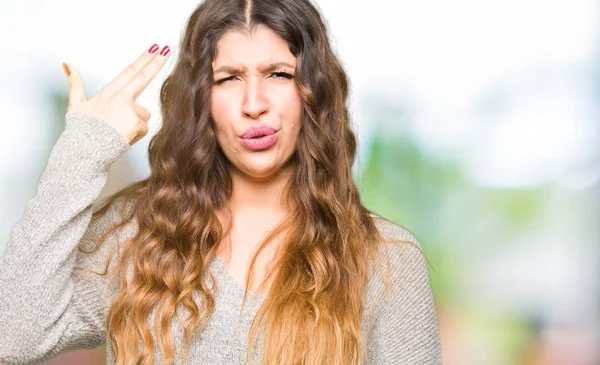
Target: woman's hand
x,y
116,102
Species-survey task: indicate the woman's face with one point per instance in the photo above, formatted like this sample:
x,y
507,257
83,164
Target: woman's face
x,y
252,87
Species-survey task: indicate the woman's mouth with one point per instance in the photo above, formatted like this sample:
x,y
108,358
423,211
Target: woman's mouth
x,y
258,138
260,141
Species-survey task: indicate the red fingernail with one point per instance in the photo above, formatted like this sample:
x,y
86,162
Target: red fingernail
x,y
165,51
153,49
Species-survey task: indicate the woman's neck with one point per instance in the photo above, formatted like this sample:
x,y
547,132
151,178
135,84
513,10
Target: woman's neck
x,y
259,195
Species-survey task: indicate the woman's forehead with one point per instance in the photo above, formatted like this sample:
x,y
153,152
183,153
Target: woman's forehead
x,y
252,51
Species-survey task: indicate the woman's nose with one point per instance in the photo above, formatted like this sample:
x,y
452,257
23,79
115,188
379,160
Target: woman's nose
x,y
255,101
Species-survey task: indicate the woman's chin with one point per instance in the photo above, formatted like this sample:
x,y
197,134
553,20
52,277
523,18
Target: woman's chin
x,y
263,166
260,170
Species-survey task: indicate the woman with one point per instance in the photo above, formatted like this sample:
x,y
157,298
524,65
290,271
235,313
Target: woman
x,y
250,194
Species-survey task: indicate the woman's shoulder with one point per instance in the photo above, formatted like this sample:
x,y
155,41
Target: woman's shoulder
x,y
399,242
402,263
401,258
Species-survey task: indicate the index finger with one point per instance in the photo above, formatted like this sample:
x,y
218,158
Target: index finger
x,y
138,84
133,69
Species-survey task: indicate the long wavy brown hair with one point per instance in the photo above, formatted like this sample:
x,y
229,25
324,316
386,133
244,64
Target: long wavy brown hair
x,y
312,313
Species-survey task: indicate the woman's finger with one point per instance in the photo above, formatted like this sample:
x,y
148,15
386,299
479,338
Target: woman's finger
x,y
139,83
76,89
142,112
132,70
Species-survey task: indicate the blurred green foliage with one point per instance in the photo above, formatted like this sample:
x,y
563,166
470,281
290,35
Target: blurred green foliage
x,y
433,198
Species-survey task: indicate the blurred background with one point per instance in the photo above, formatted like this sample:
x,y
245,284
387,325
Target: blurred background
x,y
478,126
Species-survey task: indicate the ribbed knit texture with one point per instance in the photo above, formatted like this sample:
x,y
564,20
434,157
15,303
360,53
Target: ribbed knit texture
x,y
47,308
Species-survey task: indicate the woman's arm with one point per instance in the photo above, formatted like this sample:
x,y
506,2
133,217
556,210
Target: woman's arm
x,y
405,325
45,306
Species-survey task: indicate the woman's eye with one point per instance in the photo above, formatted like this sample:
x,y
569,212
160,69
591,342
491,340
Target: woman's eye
x,y
219,82
284,75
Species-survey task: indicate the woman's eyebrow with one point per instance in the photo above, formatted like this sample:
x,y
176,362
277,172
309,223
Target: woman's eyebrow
x,y
264,69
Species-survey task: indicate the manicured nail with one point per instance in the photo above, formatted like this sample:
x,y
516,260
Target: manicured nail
x,y
154,48
66,69
165,51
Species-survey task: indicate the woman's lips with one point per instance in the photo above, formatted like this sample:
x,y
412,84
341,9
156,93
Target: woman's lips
x,y
262,130
260,143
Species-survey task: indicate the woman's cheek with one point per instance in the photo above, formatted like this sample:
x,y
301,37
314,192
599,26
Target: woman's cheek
x,y
218,109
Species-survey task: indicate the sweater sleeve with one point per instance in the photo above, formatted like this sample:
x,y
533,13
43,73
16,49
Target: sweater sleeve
x,y
405,327
46,307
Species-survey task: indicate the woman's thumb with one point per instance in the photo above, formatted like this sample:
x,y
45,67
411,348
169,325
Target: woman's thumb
x,y
76,90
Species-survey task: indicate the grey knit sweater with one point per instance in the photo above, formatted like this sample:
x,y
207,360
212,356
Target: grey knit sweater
x,y
47,308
